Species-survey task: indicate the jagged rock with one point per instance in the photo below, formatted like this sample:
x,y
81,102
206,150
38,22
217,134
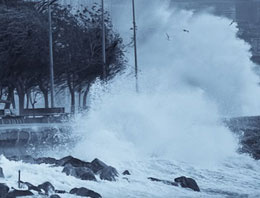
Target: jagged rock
x,y
73,162
31,186
60,191
108,173
4,189
47,187
19,193
28,159
13,158
126,172
163,181
83,173
187,183
97,165
84,192
1,173
46,160
55,196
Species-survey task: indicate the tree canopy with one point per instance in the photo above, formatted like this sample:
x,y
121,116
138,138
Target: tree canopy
x,y
77,43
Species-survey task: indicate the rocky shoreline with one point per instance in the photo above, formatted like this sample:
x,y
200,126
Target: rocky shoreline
x,y
90,171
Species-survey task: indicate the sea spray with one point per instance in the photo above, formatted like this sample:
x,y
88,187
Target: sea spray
x,y
188,84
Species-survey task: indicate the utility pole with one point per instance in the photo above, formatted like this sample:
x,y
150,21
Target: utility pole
x,y
135,48
51,55
103,42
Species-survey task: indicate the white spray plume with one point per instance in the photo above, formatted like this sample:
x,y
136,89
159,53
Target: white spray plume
x,y
188,84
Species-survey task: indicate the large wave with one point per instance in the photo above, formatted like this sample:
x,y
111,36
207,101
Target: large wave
x,y
190,80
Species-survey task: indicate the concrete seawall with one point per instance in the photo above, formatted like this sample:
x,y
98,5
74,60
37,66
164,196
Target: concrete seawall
x,y
25,139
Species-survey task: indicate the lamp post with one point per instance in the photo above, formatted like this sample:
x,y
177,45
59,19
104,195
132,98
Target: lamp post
x,y
51,55
135,48
103,42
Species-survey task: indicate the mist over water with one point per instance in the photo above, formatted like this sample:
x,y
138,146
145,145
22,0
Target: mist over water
x,y
189,81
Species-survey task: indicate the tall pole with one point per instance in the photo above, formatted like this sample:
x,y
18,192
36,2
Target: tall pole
x,y
135,48
103,41
51,55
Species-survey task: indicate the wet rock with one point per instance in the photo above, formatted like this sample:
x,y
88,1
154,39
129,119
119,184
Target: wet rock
x,y
97,165
46,160
60,191
163,181
19,193
84,192
55,196
187,183
108,173
83,173
31,187
28,159
47,187
24,158
73,162
1,173
126,172
4,189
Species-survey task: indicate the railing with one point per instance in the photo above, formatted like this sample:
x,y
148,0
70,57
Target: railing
x,y
33,116
43,112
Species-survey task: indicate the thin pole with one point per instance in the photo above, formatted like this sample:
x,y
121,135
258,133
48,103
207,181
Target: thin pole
x,y
51,55
135,48
19,179
103,41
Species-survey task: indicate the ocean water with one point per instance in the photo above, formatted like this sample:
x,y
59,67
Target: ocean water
x,y
237,177
189,82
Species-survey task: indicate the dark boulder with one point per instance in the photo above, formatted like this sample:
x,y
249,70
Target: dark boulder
x,y
83,173
73,162
84,192
4,189
60,191
1,173
97,165
28,159
108,173
19,193
31,186
126,172
46,160
163,181
47,187
187,183
55,196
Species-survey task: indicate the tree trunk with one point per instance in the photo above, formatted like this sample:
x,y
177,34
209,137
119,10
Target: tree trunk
x,y
85,97
46,99
10,97
72,93
79,107
27,99
13,101
21,94
21,102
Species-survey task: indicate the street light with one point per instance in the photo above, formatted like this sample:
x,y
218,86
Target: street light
x,y
103,42
51,55
135,48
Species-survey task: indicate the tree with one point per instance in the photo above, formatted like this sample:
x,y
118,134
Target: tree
x,y
24,50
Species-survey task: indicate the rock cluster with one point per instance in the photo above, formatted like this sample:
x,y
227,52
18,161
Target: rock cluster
x,y
71,166
76,167
46,189
81,170
182,181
